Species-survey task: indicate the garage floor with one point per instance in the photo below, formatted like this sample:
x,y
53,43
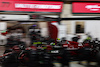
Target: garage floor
x,y
75,64
72,64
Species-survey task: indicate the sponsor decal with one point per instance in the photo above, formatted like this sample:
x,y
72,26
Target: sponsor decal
x,y
85,7
31,6
37,6
93,7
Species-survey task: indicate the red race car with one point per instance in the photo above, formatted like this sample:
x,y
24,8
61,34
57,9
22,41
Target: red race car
x,y
71,45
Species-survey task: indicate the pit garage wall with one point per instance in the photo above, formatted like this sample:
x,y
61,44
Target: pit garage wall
x,y
90,26
66,12
93,27
44,28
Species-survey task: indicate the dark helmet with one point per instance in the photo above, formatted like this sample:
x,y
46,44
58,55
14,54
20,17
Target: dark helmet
x,y
16,48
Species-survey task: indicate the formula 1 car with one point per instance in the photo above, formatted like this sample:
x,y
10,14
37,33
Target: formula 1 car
x,y
34,56
82,51
26,57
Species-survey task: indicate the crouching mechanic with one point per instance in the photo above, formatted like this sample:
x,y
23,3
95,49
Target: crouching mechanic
x,y
65,58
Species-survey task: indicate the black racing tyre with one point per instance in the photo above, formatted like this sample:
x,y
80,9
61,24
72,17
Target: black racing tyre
x,y
10,61
29,58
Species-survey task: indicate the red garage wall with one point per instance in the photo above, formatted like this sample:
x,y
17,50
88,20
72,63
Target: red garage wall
x,y
53,31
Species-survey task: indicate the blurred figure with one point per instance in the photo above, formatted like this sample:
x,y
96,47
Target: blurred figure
x,y
76,38
34,33
49,40
96,40
88,39
59,42
99,44
63,40
88,35
65,58
19,33
95,43
85,54
14,32
98,59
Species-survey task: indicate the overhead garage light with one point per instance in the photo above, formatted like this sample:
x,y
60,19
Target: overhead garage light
x,y
27,22
52,16
14,17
